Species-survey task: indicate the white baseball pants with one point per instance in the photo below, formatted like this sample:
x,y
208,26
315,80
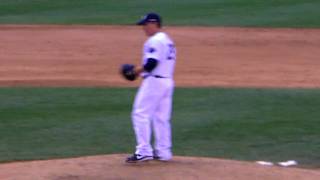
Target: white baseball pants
x,y
152,110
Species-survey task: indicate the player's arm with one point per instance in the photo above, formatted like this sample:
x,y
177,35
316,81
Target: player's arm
x,y
153,53
148,67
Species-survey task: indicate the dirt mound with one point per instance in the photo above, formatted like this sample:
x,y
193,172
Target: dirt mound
x,y
114,167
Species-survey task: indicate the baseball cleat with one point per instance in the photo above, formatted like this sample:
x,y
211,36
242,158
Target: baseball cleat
x,y
138,158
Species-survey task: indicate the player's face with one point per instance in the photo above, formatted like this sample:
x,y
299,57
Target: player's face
x,y
150,28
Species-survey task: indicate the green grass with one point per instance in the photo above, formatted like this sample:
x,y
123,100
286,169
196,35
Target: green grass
x,y
253,13
243,124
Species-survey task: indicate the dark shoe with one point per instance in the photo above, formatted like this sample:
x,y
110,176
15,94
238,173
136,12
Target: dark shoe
x,y
138,158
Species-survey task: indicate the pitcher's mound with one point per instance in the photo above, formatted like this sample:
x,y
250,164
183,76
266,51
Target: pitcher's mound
x,y
114,167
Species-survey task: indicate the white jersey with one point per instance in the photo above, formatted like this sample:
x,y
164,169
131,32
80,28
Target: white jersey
x,y
161,48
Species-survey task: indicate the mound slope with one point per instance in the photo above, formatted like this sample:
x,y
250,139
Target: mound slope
x,y
114,167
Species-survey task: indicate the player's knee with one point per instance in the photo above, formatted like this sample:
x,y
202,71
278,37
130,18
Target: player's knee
x,y
139,116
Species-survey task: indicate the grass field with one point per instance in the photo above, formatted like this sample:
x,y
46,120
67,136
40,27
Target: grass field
x,y
244,124
281,13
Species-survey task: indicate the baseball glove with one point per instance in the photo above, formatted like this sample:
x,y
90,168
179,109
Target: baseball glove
x,y
127,71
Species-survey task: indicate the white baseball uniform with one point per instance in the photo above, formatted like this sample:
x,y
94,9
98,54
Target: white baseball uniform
x,y
153,102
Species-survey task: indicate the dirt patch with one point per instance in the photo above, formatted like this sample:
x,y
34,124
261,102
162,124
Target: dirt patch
x,y
113,167
91,55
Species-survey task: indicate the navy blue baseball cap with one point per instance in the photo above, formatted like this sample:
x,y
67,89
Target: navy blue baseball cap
x,y
150,17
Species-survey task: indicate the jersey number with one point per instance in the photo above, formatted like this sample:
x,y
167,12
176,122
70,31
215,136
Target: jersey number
x,y
171,52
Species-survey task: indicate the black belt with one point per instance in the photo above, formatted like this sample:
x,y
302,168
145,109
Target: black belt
x,y
156,76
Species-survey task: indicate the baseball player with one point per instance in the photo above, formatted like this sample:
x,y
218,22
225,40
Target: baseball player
x,y
153,102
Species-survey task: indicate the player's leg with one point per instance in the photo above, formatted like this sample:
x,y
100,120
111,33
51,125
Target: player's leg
x,y
162,126
144,106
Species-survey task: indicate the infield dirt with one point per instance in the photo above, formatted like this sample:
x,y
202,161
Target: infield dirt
x,y
220,57
91,56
